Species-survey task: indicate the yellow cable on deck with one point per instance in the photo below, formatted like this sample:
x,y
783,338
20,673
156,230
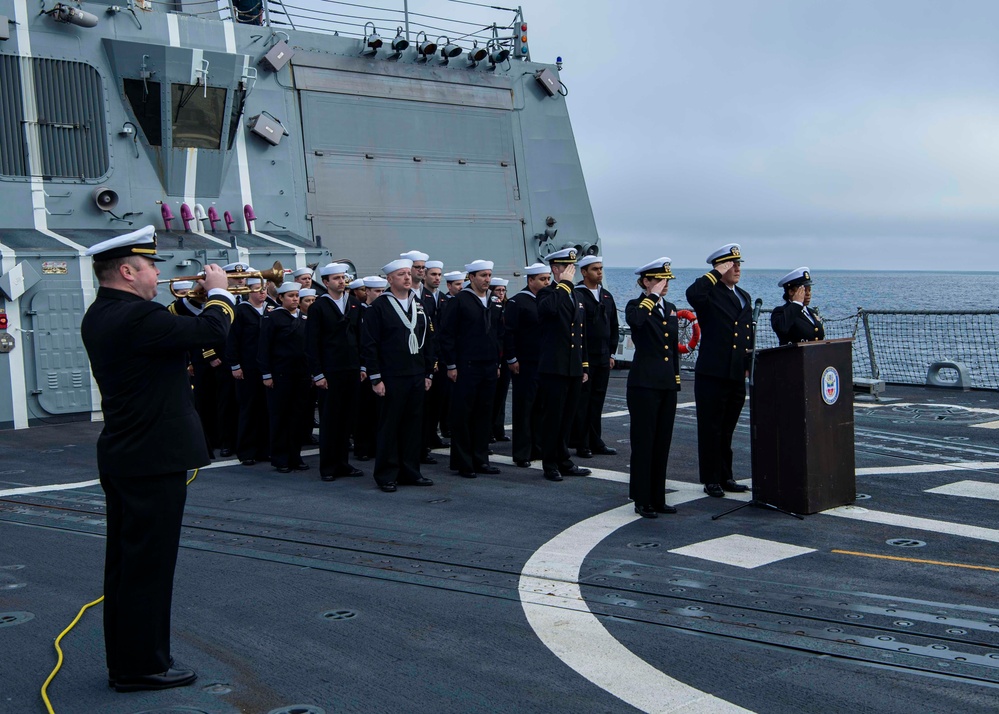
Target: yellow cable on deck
x,y
59,658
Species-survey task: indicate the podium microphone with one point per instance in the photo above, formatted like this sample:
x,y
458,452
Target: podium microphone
x,y
756,309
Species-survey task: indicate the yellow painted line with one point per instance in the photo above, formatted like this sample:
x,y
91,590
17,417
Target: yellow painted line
x,y
918,560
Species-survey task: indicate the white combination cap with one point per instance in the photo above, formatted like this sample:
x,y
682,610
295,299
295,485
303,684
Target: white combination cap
x,y
658,268
798,276
730,251
141,242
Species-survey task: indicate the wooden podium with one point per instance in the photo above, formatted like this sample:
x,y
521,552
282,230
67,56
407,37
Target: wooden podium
x,y
802,426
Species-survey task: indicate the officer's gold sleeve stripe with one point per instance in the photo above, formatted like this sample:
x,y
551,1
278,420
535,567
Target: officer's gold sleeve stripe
x,y
172,309
712,278
226,308
678,379
586,364
208,353
565,287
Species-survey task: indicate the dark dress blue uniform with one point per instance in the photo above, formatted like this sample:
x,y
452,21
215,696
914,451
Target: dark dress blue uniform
x,y
253,430
653,384
367,407
281,357
794,322
602,330
522,344
561,369
725,316
333,349
151,437
432,303
386,355
470,338
498,426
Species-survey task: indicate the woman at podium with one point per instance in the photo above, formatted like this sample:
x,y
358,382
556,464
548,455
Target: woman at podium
x,y
653,383
794,321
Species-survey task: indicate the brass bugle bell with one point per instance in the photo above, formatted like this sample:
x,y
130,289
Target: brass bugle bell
x,y
274,275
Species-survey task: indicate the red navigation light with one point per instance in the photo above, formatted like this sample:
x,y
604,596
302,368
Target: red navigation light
x,y
523,27
3,320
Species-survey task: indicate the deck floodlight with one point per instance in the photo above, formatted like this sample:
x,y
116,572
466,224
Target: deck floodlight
x,y
427,49
400,43
371,41
450,50
498,55
476,54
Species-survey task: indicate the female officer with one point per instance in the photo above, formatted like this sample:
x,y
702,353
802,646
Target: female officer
x,y
653,383
794,321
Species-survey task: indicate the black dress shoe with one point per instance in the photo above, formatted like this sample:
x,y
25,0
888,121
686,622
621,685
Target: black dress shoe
x,y
503,438
522,464
466,474
584,453
646,511
225,452
446,434
553,475
439,444
313,440
389,487
283,469
144,682
606,451
422,481
492,439
362,457
734,487
486,469
247,462
714,490
352,471
428,459
302,466
665,508
575,471
327,477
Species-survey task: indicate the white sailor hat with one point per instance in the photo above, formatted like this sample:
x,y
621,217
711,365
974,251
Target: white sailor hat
x,y
797,277
564,256
374,281
253,281
658,269
332,269
397,265
498,283
415,255
454,275
355,284
477,265
730,251
141,242
306,292
300,272
537,269
183,284
288,287
589,260
435,264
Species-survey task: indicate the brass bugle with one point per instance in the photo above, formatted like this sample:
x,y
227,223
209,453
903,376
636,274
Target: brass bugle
x,y
274,275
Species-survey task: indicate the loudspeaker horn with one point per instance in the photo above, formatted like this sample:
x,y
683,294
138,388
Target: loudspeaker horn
x,y
105,198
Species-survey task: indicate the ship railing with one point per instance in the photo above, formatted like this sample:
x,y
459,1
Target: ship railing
x,y
905,346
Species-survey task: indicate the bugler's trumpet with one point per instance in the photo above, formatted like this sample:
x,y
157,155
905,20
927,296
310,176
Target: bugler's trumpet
x,y
274,275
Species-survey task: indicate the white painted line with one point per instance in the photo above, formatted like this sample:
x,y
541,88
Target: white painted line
x,y
611,415
556,611
970,489
742,551
922,524
986,425
929,468
49,487
934,405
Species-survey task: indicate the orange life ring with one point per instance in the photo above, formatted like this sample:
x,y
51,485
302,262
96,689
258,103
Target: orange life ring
x,y
696,331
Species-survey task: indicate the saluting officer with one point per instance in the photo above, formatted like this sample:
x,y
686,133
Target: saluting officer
x,y
332,340
522,353
470,339
253,430
601,342
653,383
151,437
563,366
725,314
794,321
284,372
398,353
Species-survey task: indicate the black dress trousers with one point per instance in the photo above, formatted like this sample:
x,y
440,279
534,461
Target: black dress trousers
x,y
471,414
560,395
144,515
719,402
366,425
652,413
334,432
499,402
253,438
587,432
286,400
400,429
527,413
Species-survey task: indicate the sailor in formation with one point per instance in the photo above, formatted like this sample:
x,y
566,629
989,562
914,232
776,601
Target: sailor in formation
x,y
242,346
367,406
398,355
794,321
432,302
498,294
601,342
725,314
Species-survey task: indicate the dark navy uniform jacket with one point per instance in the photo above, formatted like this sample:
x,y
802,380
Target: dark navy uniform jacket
x,y
244,339
563,343
602,325
332,337
138,354
385,341
726,344
469,331
654,328
791,325
282,345
523,336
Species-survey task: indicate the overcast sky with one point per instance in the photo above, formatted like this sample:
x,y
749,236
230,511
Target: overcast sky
x,y
838,134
